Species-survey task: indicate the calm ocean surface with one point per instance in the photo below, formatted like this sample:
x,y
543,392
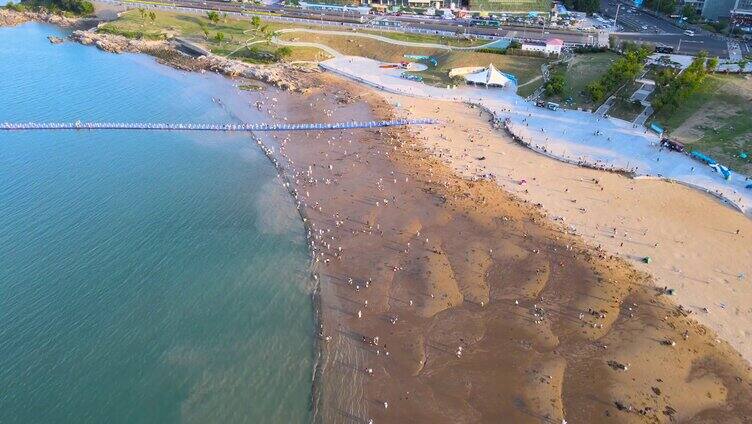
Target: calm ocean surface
x,y
144,277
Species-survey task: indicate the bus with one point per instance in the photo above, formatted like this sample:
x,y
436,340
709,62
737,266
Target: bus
x,y
486,23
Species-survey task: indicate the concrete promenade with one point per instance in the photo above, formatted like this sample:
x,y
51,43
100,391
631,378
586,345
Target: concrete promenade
x,y
567,135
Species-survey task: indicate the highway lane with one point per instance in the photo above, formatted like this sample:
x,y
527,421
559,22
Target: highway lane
x,y
641,26
681,43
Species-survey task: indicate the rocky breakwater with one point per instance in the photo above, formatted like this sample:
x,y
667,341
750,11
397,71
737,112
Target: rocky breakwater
x,y
9,17
285,76
115,43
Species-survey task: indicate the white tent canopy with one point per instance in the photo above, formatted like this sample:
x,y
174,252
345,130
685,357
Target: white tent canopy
x,y
488,76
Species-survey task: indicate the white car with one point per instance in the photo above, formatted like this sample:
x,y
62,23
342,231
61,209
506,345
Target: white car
x,y
689,32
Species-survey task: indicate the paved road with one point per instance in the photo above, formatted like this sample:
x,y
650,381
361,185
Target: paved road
x,y
639,25
682,44
635,20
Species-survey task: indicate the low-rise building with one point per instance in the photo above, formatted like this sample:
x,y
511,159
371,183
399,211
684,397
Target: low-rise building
x,y
552,46
716,9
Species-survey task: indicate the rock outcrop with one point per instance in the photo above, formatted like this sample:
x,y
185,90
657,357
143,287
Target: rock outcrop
x,y
9,17
285,76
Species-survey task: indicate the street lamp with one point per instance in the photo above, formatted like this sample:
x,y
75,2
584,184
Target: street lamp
x,y
618,6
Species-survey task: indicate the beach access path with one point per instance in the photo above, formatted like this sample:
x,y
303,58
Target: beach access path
x,y
576,137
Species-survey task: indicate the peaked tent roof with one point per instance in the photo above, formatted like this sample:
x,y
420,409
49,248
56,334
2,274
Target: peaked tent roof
x,y
488,76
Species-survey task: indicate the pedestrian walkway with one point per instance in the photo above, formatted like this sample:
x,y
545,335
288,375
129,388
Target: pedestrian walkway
x,y
572,136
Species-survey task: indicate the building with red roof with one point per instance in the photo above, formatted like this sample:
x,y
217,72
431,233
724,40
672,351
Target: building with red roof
x,y
552,46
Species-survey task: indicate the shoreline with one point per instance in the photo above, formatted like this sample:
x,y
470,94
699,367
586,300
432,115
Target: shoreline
x,y
440,202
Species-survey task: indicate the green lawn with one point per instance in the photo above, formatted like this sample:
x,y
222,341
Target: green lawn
x,y
524,68
625,109
580,71
237,33
427,38
716,120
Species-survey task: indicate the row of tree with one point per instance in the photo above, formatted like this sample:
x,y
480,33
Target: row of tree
x,y
674,87
622,71
77,7
588,6
663,6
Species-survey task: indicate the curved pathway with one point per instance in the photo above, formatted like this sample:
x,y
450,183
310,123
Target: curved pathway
x,y
324,47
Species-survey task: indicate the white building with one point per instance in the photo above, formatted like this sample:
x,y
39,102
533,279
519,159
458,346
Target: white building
x,y
552,46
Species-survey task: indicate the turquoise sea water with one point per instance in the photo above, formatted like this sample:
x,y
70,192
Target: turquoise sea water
x,y
144,277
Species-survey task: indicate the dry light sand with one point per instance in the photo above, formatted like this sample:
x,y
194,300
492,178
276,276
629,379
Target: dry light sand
x,y
690,236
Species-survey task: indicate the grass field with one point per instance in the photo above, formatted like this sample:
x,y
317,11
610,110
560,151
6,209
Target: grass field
x,y
580,72
524,68
428,38
716,120
237,33
626,110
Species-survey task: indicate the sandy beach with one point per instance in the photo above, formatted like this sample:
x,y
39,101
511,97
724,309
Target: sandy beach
x,y
691,238
485,309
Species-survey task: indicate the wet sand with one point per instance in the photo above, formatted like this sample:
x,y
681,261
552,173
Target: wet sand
x,y
484,309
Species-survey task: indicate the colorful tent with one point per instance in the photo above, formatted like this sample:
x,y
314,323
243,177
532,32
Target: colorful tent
x,y
489,76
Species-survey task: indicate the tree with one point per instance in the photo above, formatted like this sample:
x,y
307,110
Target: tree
x,y
674,88
587,6
662,6
282,52
256,22
142,12
711,64
219,37
596,91
556,84
152,16
78,7
689,12
213,16
16,7
743,64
